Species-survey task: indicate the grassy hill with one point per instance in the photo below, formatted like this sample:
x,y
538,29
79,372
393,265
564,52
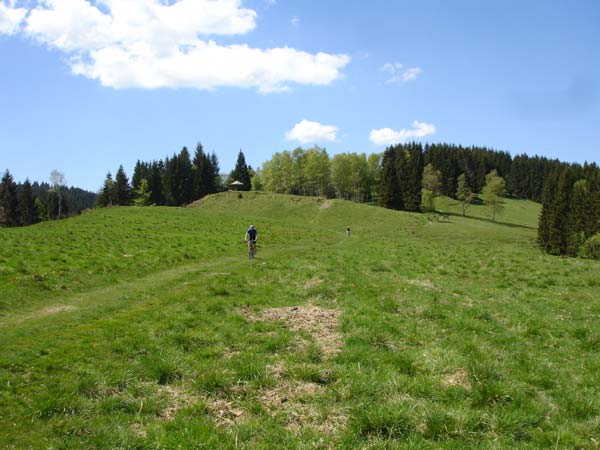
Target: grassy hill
x,y
149,328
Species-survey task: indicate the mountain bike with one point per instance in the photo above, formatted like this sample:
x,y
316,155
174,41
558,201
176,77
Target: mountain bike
x,y
251,249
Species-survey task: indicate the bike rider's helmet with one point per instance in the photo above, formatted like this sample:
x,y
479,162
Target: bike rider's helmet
x,y
252,227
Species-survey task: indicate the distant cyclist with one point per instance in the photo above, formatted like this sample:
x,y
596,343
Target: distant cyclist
x,y
251,238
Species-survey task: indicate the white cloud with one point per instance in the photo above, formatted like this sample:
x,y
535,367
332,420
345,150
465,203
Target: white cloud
x,y
159,43
10,18
306,132
387,136
295,21
398,74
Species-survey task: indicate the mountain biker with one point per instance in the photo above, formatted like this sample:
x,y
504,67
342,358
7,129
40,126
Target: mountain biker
x,y
251,238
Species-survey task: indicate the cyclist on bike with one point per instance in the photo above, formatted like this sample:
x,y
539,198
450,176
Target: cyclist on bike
x,y
251,238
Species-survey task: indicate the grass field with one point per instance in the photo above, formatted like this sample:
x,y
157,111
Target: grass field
x,y
148,328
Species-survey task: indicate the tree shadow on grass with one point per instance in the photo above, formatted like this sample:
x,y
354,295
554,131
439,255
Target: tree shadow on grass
x,y
484,219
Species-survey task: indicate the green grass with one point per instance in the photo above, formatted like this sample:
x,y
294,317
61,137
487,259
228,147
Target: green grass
x,y
132,328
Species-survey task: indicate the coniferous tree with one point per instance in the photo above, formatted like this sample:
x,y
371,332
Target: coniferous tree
x,y
107,196
9,213
389,190
548,213
413,178
558,227
27,211
241,173
578,226
142,194
170,183
140,172
214,175
155,183
184,176
203,173
122,188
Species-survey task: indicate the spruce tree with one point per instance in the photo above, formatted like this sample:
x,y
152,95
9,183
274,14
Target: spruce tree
x,y
155,181
106,196
142,194
185,177
548,212
241,173
389,191
578,228
413,178
27,210
170,184
122,188
9,214
559,225
201,172
140,172
214,184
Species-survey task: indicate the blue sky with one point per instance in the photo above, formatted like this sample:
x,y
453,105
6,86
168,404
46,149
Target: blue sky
x,y
86,85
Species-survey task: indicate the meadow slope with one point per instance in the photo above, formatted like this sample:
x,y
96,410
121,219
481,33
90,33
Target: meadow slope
x,y
149,328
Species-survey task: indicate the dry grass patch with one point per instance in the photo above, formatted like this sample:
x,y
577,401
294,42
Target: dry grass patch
x,y
54,310
322,324
427,284
324,204
138,430
177,398
459,378
294,403
225,412
312,283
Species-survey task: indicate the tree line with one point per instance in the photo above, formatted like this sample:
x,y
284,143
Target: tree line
x,y
570,219
404,177
394,178
174,181
23,204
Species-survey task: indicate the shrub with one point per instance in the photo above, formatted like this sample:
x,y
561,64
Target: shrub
x,y
592,247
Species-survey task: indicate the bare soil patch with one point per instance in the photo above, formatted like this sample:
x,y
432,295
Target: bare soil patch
x,y
324,204
322,324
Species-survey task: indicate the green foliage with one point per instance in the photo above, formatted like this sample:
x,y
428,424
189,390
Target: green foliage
x,y
464,194
493,192
108,194
142,194
431,188
428,201
592,247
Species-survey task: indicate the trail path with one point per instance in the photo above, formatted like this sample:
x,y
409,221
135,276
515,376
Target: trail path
x,y
134,292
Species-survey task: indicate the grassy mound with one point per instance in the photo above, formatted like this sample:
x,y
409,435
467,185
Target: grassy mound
x,y
149,328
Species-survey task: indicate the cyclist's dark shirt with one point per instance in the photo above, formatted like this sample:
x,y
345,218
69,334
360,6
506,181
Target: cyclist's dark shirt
x,y
252,234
